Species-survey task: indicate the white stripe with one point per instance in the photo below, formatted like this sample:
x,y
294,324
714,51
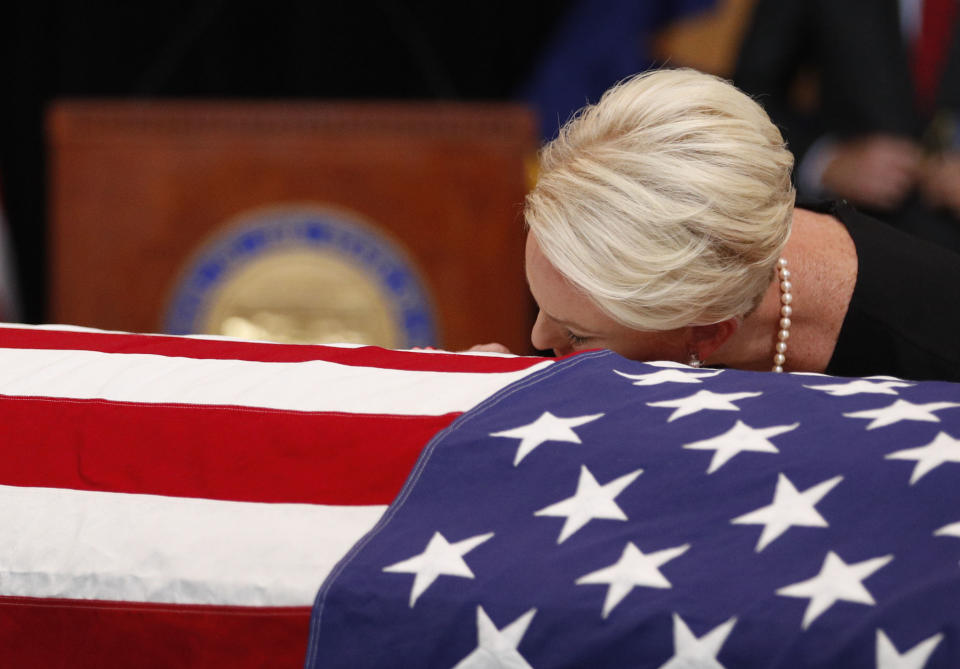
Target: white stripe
x,y
61,327
299,386
149,548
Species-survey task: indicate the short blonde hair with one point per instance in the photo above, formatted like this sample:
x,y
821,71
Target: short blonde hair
x,y
668,202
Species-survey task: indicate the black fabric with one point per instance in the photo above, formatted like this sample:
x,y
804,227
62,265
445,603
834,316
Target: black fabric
x,y
856,49
903,318
852,53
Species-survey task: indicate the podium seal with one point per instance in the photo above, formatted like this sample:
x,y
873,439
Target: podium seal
x,y
303,275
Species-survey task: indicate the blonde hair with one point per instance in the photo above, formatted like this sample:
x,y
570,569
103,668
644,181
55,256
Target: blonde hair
x,y
668,202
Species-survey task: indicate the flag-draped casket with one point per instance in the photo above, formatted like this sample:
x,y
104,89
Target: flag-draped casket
x,y
173,501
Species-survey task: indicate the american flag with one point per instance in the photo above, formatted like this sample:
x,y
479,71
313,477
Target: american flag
x,y
607,513
176,502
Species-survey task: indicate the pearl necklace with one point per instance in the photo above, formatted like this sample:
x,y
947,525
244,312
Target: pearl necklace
x,y
786,298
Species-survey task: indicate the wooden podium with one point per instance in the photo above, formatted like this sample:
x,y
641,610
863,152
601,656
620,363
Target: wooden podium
x,y
138,187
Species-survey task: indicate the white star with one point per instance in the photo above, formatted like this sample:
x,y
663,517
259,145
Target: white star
x,y
591,500
440,558
836,581
702,399
741,437
497,649
943,448
862,386
631,570
546,428
669,375
672,364
915,658
951,530
689,652
902,410
790,507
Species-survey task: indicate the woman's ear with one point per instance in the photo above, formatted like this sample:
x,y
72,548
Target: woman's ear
x,y
706,339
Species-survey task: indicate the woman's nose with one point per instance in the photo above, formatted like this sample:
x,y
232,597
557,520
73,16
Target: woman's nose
x,y
546,335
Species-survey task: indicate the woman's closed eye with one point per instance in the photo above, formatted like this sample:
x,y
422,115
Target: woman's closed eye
x,y
576,340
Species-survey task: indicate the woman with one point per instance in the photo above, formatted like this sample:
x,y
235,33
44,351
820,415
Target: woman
x,y
663,227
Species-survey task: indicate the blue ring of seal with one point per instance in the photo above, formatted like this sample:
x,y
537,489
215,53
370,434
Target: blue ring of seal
x,y
380,259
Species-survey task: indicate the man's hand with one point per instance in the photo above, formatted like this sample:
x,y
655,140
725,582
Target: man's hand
x,y
940,181
878,171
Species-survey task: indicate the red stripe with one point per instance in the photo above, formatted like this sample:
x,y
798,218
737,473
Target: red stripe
x,y
366,356
218,452
72,634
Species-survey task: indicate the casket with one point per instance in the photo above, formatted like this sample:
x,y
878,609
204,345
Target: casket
x,y
201,502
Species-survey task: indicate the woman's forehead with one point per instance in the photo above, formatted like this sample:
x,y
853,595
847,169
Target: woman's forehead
x,y
557,297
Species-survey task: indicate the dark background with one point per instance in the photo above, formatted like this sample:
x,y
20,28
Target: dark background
x,y
398,49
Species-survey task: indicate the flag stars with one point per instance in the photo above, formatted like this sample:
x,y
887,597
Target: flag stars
x,y
789,508
902,410
941,450
590,501
741,437
633,569
498,648
702,400
951,530
837,581
545,428
689,651
862,387
916,658
440,558
669,375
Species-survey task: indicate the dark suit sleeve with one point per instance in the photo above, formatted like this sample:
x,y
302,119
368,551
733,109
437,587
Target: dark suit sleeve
x,y
779,42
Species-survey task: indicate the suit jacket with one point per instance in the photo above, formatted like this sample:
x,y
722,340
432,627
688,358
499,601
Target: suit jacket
x,y
856,49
